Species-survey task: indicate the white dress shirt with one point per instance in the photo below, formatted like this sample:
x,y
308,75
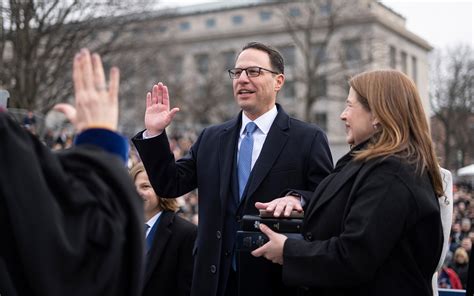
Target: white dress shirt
x,y
152,222
264,122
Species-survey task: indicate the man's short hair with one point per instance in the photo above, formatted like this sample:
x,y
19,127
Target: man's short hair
x,y
276,60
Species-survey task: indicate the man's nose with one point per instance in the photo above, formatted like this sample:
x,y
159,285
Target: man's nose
x,y
243,77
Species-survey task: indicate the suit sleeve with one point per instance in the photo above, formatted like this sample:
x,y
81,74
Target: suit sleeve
x,y
319,165
372,226
71,220
168,177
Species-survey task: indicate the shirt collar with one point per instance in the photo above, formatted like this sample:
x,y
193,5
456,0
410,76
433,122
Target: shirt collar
x,y
264,122
153,219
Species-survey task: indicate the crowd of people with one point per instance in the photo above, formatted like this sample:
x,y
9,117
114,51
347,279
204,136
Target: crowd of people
x,y
388,188
454,273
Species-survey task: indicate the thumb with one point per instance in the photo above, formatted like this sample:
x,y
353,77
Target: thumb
x,y
267,231
68,110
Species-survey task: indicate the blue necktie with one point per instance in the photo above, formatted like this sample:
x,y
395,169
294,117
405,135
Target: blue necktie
x,y
244,165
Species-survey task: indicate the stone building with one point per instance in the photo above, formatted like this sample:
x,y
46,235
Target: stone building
x,y
323,42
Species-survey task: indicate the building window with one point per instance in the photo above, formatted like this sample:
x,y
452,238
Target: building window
x,y
265,15
202,63
177,66
320,87
288,90
393,57
321,119
237,19
228,58
185,26
352,49
404,62
288,53
325,7
294,12
162,29
318,51
414,69
210,23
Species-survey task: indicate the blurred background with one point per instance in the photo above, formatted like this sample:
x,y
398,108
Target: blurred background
x,y
189,45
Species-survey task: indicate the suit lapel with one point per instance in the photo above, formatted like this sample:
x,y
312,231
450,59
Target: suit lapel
x,y
274,143
162,235
227,154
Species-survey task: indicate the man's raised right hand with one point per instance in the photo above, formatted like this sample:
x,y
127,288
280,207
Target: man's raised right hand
x,y
158,114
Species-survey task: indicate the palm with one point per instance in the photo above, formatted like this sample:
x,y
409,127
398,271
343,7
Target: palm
x,y
158,114
157,117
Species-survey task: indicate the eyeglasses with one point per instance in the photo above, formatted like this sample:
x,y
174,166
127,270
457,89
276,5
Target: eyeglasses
x,y
250,71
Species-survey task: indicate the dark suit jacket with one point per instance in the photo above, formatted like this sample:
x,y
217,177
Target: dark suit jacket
x,y
70,222
372,228
169,263
295,155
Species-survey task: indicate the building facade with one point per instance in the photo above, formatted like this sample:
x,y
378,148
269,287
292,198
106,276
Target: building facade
x,y
323,42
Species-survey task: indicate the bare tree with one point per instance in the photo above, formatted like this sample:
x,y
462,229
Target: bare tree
x,y
326,57
452,102
39,37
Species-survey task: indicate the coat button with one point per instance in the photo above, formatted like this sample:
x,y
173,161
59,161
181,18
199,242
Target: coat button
x,y
218,234
309,236
213,268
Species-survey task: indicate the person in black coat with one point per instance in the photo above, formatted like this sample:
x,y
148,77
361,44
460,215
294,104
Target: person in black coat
x,y
71,221
373,226
287,153
169,242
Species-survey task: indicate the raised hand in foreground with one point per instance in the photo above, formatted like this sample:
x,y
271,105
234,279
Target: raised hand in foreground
x,y
96,105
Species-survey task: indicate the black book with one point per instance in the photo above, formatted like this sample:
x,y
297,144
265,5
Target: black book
x,y
251,240
281,225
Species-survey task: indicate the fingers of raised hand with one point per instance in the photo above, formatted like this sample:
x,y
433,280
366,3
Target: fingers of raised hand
x,y
87,69
148,100
99,76
77,73
156,94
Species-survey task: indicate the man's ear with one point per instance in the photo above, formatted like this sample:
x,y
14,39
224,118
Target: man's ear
x,y
280,80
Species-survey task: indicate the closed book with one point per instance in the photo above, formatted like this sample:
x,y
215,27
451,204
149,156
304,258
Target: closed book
x,y
251,223
251,240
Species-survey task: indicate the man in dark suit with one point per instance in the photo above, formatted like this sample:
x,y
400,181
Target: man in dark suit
x,y
280,153
169,242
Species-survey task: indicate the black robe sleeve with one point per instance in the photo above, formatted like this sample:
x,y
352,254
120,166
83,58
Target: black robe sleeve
x,y
70,222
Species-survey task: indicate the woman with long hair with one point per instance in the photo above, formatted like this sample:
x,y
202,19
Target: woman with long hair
x,y
373,226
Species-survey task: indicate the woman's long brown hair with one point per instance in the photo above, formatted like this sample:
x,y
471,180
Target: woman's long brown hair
x,y
393,99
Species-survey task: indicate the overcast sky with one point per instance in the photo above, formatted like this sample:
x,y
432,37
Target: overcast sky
x,y
440,22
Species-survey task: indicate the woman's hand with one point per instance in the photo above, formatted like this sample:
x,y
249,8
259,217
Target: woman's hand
x,y
273,249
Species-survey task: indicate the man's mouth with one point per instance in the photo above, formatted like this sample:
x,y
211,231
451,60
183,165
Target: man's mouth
x,y
245,91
